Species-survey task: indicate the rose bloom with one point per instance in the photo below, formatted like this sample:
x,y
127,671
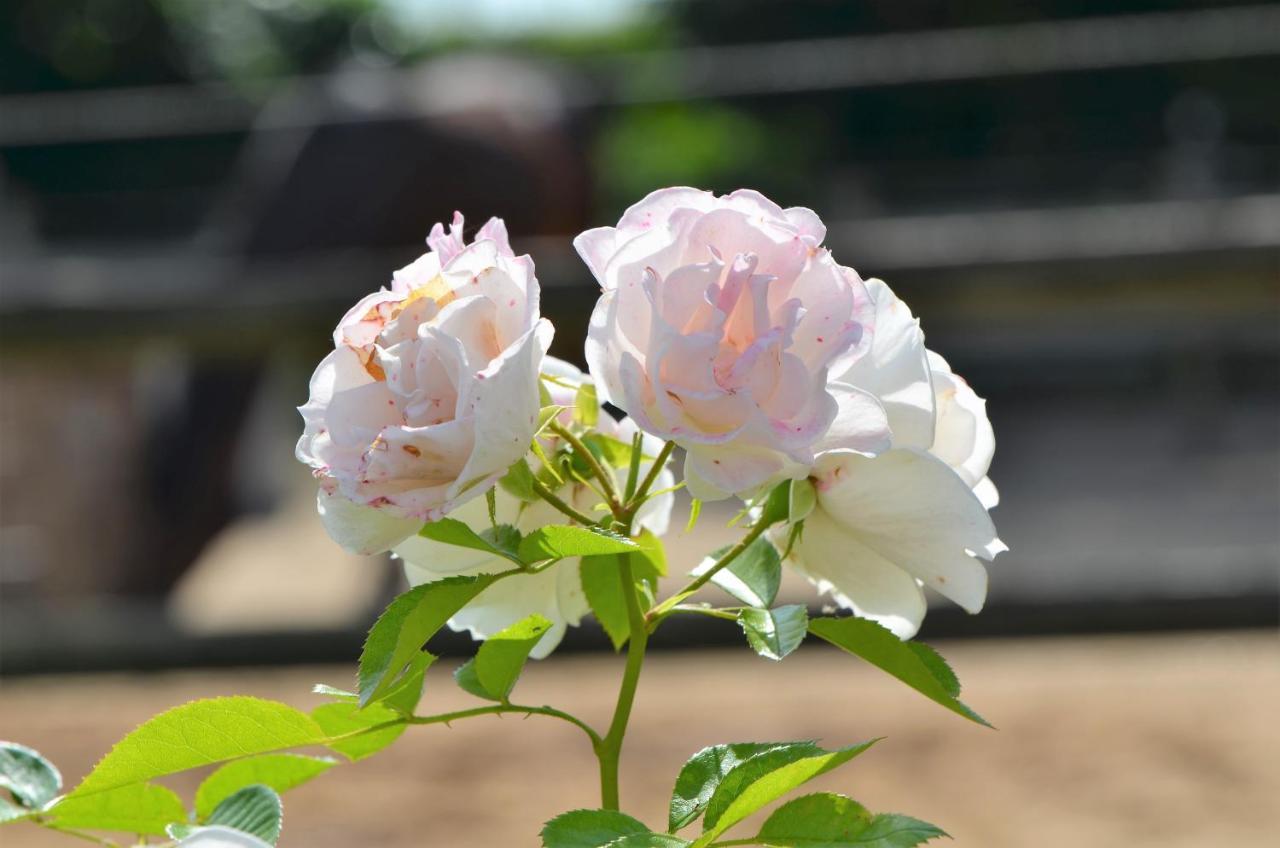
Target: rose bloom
x,y
720,322
915,516
431,392
556,591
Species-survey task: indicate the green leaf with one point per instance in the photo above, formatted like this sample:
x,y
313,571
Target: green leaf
x,y
518,481
281,772
404,694
136,808
255,810
889,830
405,626
922,670
557,541
752,577
602,585
777,632
586,406
802,498
650,561
825,820
498,541
765,778
610,451
199,734
501,658
465,677
341,719
937,666
702,773
821,820
31,778
776,504
589,829
649,840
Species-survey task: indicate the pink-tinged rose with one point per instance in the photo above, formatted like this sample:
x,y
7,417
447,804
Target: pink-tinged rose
x,y
555,592
720,321
917,515
431,392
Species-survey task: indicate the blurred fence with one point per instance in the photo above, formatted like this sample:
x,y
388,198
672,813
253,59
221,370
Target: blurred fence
x,y
1085,211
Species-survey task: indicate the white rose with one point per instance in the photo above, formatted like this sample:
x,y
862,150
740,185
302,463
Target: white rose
x,y
555,592
914,516
720,321
431,392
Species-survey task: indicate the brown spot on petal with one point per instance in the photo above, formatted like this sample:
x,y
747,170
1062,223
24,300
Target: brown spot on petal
x,y
411,450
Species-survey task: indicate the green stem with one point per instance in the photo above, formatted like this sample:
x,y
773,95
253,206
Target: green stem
x,y
701,580
609,750
633,467
550,497
597,470
499,709
642,492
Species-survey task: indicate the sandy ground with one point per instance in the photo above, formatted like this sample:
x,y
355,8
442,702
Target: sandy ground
x,y
1152,741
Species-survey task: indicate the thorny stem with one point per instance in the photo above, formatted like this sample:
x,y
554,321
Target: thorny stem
x,y
499,709
550,497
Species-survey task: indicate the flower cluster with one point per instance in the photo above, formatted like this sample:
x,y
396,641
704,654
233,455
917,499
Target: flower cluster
x,y
724,327
522,494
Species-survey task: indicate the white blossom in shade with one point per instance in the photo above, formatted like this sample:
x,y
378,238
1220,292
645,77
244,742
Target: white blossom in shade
x,y
916,515
431,391
720,322
556,592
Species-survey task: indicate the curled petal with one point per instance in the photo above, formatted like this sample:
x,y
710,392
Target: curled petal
x,y
914,511
362,530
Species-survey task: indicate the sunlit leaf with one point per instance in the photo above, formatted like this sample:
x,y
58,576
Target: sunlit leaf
x,y
917,666
198,734
135,808
500,541
501,658
398,635
281,772
557,541
765,778
702,773
344,719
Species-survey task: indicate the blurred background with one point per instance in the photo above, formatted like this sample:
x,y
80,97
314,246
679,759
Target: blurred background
x,y
1080,198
